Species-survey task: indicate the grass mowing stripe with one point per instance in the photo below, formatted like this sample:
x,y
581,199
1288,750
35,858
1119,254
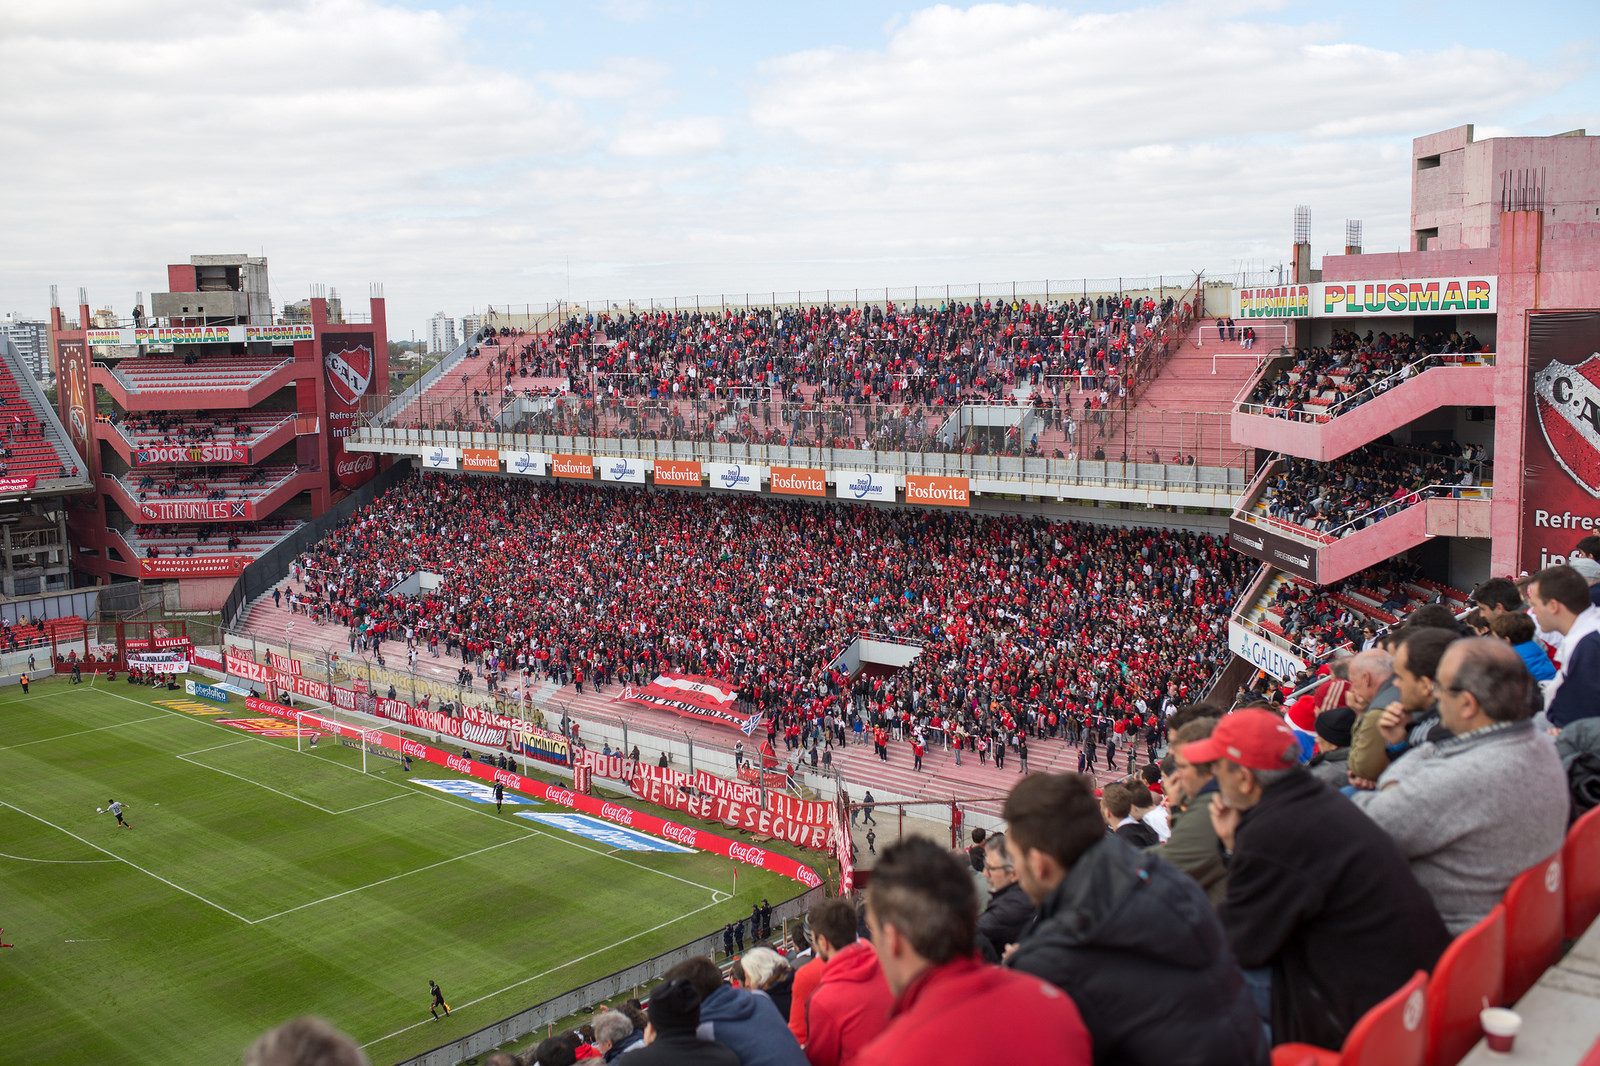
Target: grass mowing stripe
x,y
129,862
285,795
79,733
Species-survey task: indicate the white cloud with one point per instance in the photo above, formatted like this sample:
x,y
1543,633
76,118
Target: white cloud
x,y
618,78
667,137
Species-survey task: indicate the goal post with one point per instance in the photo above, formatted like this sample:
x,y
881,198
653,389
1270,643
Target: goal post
x,y
371,743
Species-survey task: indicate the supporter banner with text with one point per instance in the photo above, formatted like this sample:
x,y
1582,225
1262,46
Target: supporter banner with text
x,y
799,481
350,364
683,473
161,454
688,836
1285,553
483,460
939,491
806,823
734,476
693,696
193,566
197,511
475,726
17,483
878,487
577,467
1561,442
1369,299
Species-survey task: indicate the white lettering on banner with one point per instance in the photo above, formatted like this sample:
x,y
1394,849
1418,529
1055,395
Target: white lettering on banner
x,y
612,812
560,796
458,764
681,833
239,666
747,854
1264,655
344,699
413,749
353,465
283,664
1564,520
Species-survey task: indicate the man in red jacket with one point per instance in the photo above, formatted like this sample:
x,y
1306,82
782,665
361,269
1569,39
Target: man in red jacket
x,y
923,914
852,1001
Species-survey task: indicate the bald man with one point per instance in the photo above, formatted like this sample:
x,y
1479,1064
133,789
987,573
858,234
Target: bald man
x,y
1472,811
1372,688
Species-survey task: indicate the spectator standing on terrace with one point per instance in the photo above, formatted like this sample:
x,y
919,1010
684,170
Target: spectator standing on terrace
x,y
1322,909
746,1022
1472,811
1133,941
850,1006
1009,910
1560,599
949,1007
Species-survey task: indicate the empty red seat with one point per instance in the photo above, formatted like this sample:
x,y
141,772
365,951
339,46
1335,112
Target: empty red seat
x,y
1581,861
1535,917
1470,973
1390,1034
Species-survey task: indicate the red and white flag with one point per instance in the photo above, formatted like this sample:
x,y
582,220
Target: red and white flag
x,y
693,696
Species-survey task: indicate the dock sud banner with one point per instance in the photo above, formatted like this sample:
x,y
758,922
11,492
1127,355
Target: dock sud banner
x,y
693,696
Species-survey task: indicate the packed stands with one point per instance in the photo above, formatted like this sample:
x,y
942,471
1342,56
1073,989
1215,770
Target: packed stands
x,y
1021,620
181,373
1320,383
156,428
1348,613
201,539
1326,501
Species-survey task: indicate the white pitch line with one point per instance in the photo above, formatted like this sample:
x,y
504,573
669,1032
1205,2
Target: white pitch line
x,y
217,747
60,862
386,880
129,862
258,784
547,973
81,732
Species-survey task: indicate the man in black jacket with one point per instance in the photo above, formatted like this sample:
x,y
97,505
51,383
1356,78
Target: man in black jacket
x,y
1131,939
670,1038
1009,910
1322,909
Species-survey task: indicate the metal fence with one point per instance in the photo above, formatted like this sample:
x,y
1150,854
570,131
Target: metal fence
x,y
613,986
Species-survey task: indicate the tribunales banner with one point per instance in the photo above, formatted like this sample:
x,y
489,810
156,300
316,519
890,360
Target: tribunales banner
x,y
806,823
1561,445
694,696
559,795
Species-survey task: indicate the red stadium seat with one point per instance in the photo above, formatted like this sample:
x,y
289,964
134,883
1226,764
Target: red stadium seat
x,y
1469,973
1390,1034
1581,858
1534,914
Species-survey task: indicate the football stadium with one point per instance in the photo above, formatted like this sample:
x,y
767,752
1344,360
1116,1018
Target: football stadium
x,y
1173,668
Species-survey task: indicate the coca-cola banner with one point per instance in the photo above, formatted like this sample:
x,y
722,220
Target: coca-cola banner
x,y
166,454
1561,456
807,823
688,836
350,364
693,696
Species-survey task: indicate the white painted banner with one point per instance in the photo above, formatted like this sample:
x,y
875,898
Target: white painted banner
x,y
533,464
863,486
740,477
440,458
630,471
1264,654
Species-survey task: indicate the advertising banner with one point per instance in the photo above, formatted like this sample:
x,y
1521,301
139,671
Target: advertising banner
x,y
693,696
577,467
17,483
210,692
440,458
287,334
483,460
807,823
474,726
870,487
1259,542
682,473
350,364
159,662
162,454
192,566
734,476
1561,442
799,481
939,491
532,464
74,400
1263,654
627,471
1464,295
197,511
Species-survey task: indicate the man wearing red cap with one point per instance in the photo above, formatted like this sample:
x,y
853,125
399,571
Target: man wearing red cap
x,y
1322,909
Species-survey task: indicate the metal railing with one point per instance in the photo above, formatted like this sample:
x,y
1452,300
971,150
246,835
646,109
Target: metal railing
x,y
1353,400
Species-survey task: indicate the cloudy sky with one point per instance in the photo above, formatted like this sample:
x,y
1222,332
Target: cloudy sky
x,y
497,152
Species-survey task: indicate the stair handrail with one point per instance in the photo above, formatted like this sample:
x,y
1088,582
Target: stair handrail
x,y
1405,503
1433,361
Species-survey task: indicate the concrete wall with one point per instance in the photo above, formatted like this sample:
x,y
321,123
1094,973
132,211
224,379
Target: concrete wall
x,y
885,653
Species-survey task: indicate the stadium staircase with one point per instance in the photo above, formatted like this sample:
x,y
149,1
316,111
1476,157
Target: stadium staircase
x,y
166,382
29,427
1184,409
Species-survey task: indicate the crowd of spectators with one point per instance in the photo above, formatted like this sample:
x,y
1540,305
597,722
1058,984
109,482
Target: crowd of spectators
x,y
1027,627
184,428
1338,498
1351,368
220,483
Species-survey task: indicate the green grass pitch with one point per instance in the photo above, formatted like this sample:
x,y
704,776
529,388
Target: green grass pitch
x,y
259,883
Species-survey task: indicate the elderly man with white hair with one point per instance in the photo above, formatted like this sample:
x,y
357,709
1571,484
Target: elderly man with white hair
x,y
615,1035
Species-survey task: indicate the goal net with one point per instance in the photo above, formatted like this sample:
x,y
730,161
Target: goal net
x,y
370,743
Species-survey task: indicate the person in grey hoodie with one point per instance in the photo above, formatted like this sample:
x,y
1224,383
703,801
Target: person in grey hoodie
x,y
743,1020
1473,811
